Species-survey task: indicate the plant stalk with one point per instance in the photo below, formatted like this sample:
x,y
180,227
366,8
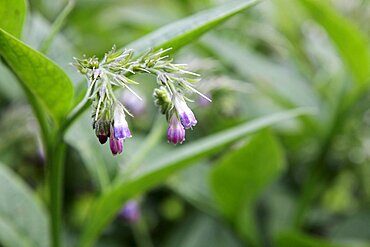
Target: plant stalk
x,y
56,158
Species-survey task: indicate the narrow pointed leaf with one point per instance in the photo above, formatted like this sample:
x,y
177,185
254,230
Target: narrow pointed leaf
x,y
184,31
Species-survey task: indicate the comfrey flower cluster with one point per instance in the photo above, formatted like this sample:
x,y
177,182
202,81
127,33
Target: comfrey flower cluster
x,y
114,70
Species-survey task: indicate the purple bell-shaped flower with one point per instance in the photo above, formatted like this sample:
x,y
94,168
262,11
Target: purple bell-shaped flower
x,y
116,145
175,131
120,126
186,115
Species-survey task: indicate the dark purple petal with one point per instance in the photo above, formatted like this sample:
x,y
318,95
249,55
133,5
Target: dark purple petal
x,y
102,130
102,138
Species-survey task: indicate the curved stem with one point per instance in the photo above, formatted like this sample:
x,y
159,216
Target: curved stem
x,y
75,113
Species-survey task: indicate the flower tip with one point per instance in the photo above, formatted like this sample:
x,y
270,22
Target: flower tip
x,y
102,139
116,145
175,131
122,132
188,120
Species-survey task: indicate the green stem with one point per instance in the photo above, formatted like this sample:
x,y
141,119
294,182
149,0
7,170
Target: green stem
x,y
55,158
75,113
57,25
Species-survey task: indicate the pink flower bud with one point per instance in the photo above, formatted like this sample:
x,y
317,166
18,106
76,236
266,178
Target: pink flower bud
x,y
175,131
116,145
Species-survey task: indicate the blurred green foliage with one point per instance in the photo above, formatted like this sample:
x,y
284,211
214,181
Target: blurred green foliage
x,y
279,158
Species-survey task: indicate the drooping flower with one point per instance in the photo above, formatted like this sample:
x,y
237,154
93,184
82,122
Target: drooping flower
x,y
116,145
175,131
102,130
186,115
120,126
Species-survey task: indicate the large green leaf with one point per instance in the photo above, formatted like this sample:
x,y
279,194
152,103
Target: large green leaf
x,y
153,173
47,82
182,32
349,40
241,177
13,15
23,221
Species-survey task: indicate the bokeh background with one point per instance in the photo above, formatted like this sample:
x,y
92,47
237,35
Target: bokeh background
x,y
304,182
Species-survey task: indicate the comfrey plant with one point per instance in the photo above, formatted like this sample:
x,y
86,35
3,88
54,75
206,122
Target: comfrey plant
x,y
113,71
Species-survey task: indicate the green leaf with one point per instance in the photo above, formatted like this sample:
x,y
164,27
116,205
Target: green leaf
x,y
23,220
202,230
184,31
289,239
153,173
243,174
13,15
191,184
240,178
349,40
46,81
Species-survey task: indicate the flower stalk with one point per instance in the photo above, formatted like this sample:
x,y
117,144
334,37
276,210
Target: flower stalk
x,y
114,70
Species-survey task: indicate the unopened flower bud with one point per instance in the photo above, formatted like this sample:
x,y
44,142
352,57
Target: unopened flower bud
x,y
102,130
116,145
175,131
